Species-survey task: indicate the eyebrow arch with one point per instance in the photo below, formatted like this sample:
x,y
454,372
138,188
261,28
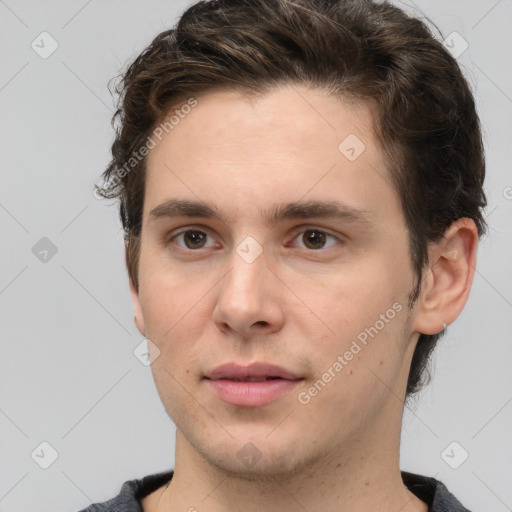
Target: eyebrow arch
x,y
296,210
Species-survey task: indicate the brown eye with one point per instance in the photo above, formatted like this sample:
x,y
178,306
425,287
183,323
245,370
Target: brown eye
x,y
314,239
191,239
194,239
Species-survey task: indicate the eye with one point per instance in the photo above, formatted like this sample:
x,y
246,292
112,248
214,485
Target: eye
x,y
312,239
193,239
315,239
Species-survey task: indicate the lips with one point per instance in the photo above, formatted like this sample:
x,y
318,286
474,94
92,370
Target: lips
x,y
251,386
255,372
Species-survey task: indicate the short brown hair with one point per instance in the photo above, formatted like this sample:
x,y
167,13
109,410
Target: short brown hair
x,y
425,116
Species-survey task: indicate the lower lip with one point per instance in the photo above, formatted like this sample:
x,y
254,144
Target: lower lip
x,y
252,394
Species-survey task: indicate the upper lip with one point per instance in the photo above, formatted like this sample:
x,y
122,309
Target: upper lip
x,y
255,370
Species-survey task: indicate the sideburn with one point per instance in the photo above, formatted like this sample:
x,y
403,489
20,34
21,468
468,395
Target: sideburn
x,y
132,252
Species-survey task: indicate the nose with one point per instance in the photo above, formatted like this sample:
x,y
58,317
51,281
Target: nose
x,y
249,300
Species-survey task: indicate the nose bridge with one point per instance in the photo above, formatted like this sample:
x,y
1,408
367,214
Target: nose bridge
x,y
246,296
248,266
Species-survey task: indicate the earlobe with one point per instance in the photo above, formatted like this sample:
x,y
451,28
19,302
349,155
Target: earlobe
x,y
446,286
137,310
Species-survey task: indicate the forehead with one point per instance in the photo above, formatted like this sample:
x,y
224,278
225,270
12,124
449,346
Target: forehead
x,y
290,114
288,144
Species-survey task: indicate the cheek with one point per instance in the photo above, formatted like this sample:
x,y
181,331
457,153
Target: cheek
x,y
356,377
174,318
365,310
168,297
357,298
174,315
175,307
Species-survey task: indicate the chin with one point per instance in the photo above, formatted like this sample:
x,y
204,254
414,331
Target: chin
x,y
259,459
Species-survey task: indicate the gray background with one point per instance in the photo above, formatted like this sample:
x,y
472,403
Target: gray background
x,y
68,375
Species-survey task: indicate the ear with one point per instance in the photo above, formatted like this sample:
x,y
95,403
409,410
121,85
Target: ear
x,y
447,281
137,310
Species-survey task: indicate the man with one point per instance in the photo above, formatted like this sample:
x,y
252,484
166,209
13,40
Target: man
x,y
300,185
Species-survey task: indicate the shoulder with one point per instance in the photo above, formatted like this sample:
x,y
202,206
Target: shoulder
x,y
134,494
433,492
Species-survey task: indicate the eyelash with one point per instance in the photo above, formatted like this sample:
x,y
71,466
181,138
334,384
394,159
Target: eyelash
x,y
304,230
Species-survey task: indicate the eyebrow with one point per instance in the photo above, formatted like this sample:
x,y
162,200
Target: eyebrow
x,y
295,210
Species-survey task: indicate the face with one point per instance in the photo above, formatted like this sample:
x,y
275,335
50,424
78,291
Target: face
x,y
298,268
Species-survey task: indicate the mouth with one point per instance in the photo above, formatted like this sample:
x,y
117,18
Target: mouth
x,y
255,372
253,379
254,385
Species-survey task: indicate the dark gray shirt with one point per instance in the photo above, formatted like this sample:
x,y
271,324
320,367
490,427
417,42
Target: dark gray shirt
x,y
429,490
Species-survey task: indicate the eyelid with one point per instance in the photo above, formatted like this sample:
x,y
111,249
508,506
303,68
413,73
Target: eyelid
x,y
307,227
190,227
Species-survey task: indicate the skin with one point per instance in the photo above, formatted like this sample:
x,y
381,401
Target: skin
x,y
298,305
